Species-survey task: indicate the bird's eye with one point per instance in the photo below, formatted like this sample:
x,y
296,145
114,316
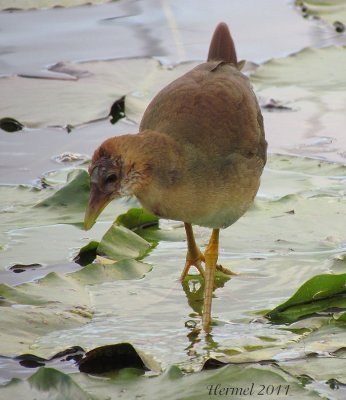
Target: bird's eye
x,y
112,178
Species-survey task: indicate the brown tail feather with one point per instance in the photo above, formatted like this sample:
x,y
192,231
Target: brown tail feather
x,y
222,46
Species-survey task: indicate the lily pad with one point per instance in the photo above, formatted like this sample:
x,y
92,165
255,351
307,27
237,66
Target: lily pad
x,y
316,97
137,218
121,243
93,86
50,383
329,10
55,302
319,293
341,317
98,273
74,195
32,4
172,385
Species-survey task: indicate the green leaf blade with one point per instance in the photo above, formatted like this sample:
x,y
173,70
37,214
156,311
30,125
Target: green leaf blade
x,y
317,294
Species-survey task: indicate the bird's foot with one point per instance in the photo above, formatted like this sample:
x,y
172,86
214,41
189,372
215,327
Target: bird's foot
x,y
196,262
225,270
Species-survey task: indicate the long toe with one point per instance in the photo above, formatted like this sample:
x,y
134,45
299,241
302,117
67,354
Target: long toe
x,y
193,262
225,270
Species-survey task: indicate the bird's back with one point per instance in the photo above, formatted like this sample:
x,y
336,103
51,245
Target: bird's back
x,y
212,108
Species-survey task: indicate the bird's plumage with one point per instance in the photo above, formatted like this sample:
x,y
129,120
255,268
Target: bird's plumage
x,y
213,116
199,153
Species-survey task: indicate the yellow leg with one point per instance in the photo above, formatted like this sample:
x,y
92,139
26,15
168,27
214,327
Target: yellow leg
x,y
194,256
211,255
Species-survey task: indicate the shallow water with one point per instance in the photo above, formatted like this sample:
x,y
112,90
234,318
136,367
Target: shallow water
x,y
274,249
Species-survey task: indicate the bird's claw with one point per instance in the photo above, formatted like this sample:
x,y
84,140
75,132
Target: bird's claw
x,y
197,263
193,262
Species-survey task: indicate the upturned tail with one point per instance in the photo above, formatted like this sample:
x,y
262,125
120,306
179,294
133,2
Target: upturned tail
x,y
222,46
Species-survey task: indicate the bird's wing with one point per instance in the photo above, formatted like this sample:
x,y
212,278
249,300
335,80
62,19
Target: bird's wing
x,y
211,108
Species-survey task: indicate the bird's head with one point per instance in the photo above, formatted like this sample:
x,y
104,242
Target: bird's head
x,y
112,175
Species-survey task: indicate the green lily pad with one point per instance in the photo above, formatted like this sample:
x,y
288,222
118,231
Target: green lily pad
x,y
240,381
32,4
319,369
285,72
121,243
93,86
319,293
55,302
98,273
50,383
137,218
74,195
329,10
43,302
316,95
341,317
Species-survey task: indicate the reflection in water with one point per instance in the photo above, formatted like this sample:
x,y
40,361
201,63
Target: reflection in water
x,y
193,286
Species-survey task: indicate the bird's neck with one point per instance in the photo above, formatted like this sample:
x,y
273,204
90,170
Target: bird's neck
x,y
150,159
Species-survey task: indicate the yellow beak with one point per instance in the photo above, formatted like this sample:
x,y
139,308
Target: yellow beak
x,y
97,202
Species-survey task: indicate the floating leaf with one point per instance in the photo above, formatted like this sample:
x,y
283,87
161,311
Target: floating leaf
x,y
240,381
121,243
54,302
85,92
332,11
341,317
32,4
56,384
137,218
316,95
74,194
98,273
319,293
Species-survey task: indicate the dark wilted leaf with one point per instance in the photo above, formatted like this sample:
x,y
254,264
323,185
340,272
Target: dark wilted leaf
x,y
10,125
17,268
111,358
30,361
87,253
117,110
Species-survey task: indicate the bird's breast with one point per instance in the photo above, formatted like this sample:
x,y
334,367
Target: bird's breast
x,y
206,195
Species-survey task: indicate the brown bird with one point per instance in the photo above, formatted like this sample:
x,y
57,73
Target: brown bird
x,y
197,158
